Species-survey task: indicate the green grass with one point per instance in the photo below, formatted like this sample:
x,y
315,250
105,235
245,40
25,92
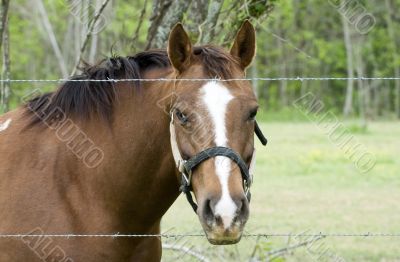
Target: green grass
x,y
305,183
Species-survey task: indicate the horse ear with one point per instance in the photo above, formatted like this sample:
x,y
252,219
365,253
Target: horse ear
x,y
244,47
179,48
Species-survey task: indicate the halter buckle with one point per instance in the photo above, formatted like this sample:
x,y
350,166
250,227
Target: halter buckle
x,y
181,166
186,174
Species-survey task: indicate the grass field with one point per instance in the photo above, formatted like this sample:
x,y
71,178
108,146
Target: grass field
x,y
304,183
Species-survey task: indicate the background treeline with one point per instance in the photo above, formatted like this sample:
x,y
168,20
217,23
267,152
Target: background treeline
x,y
45,39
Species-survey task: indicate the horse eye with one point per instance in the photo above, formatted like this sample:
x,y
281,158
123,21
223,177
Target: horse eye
x,y
252,115
182,117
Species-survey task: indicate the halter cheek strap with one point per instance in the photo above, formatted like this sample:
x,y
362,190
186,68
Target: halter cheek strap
x,y
179,162
186,167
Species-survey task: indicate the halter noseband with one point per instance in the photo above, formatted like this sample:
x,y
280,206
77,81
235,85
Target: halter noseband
x,y
186,167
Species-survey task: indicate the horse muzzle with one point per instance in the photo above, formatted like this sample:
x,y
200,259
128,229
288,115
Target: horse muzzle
x,y
224,228
224,237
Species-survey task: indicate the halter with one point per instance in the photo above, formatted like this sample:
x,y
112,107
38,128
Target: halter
x,y
186,167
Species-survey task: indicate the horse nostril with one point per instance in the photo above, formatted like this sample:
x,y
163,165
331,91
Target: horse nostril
x,y
219,221
242,208
208,211
240,204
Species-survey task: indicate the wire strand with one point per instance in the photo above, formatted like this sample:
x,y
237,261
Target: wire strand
x,y
118,235
202,79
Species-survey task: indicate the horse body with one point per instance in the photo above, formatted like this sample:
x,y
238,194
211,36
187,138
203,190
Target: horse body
x,y
51,184
44,188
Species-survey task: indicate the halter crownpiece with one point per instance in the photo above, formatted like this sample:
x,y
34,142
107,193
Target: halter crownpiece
x,y
186,167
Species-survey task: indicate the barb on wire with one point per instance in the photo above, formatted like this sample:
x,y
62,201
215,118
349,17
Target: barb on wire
x,y
204,79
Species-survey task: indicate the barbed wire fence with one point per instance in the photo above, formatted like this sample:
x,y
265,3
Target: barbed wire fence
x,y
174,236
298,78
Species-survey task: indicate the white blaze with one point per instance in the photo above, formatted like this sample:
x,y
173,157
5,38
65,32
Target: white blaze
x,y
5,125
216,97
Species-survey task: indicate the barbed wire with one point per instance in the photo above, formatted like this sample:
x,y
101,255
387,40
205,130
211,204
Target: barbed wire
x,y
298,78
118,235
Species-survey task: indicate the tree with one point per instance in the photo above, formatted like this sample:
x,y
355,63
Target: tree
x,y
166,13
88,32
208,25
5,47
3,17
295,38
396,60
53,40
348,105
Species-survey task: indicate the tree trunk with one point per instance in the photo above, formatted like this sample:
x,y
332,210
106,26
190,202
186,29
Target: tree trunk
x,y
264,89
197,15
348,104
160,8
392,35
3,18
84,15
363,96
283,73
95,37
77,40
52,38
208,27
68,42
89,32
136,34
166,14
376,97
5,47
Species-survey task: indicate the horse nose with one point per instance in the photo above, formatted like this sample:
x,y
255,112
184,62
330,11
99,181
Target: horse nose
x,y
223,213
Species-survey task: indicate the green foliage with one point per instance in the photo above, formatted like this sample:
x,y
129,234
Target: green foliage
x,y
305,38
295,38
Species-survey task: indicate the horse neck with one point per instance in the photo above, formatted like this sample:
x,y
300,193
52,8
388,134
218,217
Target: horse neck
x,y
138,171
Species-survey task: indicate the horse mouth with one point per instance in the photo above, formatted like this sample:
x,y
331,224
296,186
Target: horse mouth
x,y
224,238
224,241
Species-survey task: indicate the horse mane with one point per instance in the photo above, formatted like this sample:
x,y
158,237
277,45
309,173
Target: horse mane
x,y
82,99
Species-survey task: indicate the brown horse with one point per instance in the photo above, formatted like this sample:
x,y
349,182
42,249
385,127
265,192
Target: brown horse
x,y
94,157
